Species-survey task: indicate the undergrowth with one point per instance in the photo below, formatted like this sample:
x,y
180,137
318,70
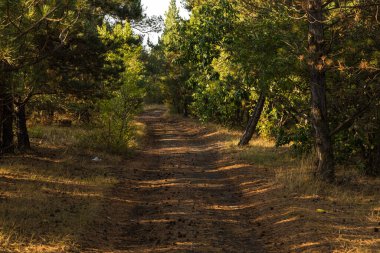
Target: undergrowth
x,y
293,175
90,137
50,195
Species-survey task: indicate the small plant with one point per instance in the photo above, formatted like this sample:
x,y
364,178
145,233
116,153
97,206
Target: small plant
x,y
114,130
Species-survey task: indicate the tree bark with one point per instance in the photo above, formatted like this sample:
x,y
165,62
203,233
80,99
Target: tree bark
x,y
1,114
50,117
253,121
373,163
325,164
23,142
7,123
186,103
6,112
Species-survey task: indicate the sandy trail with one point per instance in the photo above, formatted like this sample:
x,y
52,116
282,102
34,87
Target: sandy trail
x,y
174,197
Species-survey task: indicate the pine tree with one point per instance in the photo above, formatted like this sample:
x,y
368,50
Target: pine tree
x,y
172,22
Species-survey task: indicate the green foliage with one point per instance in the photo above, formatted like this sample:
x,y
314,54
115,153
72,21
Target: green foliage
x,y
54,58
208,29
230,52
81,58
175,73
116,113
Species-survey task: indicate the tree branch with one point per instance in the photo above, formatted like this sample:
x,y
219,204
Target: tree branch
x,y
348,122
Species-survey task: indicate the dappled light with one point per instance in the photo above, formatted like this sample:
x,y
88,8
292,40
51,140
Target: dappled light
x,y
177,198
182,193
220,126
46,198
199,200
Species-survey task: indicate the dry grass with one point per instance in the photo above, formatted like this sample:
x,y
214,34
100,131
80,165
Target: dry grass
x,y
351,207
58,136
140,132
89,137
295,173
50,196
308,215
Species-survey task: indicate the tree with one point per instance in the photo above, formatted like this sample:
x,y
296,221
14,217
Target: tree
x,y
341,17
124,53
19,48
60,37
174,72
317,52
306,71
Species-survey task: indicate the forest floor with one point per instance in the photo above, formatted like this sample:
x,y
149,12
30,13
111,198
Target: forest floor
x,y
186,190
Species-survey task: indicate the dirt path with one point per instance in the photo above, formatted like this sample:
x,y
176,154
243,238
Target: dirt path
x,y
174,197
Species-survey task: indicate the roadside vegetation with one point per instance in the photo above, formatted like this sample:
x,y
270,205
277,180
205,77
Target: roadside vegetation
x,y
71,84
303,74
50,196
292,211
290,88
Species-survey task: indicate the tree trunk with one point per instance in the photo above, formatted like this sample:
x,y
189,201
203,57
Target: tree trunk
x,y
373,162
23,142
1,115
371,154
2,95
50,117
325,164
253,121
7,123
186,104
6,112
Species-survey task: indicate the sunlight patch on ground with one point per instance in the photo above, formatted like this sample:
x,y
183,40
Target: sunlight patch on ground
x,y
305,245
229,167
287,220
232,207
256,191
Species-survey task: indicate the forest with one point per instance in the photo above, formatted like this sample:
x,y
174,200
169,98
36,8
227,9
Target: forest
x,y
304,73
301,75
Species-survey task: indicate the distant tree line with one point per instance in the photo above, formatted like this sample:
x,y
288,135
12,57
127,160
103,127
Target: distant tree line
x,y
305,73
60,56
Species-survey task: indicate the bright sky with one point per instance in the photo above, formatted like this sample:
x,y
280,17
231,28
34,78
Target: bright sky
x,y
158,8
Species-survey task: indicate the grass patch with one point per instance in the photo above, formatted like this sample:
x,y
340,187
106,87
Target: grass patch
x,y
296,173
50,196
46,204
352,203
58,136
264,154
90,138
351,206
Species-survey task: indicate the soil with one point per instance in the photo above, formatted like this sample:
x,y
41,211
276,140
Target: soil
x,y
175,196
186,192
